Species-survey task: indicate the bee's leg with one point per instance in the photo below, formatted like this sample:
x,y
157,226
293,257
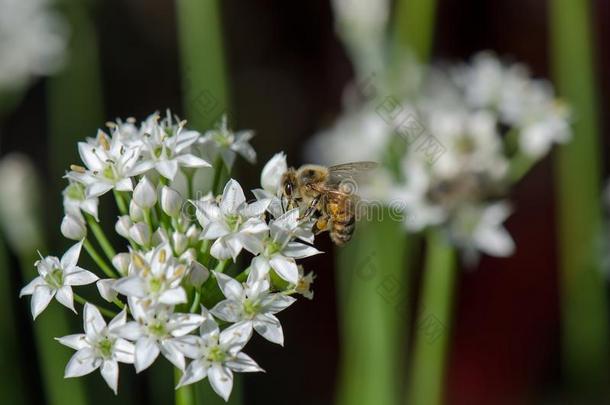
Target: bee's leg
x,y
311,209
321,225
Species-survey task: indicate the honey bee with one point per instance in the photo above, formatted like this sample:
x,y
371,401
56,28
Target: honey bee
x,y
327,195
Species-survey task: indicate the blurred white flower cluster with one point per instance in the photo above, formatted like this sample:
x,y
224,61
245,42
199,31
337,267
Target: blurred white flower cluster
x,y
180,288
453,148
33,40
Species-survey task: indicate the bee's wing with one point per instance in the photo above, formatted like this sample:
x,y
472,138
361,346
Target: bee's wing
x,y
349,171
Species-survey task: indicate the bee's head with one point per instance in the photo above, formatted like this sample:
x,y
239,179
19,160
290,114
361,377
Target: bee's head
x,y
289,184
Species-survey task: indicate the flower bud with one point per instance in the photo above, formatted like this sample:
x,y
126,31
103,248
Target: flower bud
x,y
122,226
160,237
140,234
121,262
106,289
73,228
193,234
171,201
135,212
145,194
198,274
179,242
189,255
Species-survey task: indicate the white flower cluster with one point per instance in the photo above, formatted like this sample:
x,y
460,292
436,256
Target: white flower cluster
x,y
170,303
32,41
453,149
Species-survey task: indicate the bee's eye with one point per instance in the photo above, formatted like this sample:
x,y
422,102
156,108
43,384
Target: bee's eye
x,y
288,189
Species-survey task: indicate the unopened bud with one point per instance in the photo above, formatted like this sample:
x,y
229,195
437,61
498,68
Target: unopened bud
x,y
179,242
198,274
135,212
73,228
121,262
145,194
122,226
140,234
171,201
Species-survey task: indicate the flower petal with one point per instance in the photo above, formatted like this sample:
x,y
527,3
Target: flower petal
x,y
285,267
173,296
171,352
146,353
274,303
221,380
77,341
232,197
70,258
94,323
81,363
31,287
80,277
235,337
243,364
228,310
230,287
110,372
196,371
132,286
269,327
40,299
65,297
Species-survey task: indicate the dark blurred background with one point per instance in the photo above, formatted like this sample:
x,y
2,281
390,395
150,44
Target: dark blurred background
x,y
287,72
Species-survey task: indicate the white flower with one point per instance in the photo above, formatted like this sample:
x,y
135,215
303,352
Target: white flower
x,y
479,228
228,143
278,250
55,280
145,194
271,181
73,227
253,305
99,347
75,201
33,41
110,165
363,127
156,276
548,125
234,224
303,287
167,146
271,176
216,355
154,330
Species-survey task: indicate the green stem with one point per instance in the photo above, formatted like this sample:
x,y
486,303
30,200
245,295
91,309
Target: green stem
x,y
373,301
219,168
104,311
413,28
183,395
520,164
120,202
98,259
196,301
584,300
203,65
220,267
12,385
98,232
433,326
